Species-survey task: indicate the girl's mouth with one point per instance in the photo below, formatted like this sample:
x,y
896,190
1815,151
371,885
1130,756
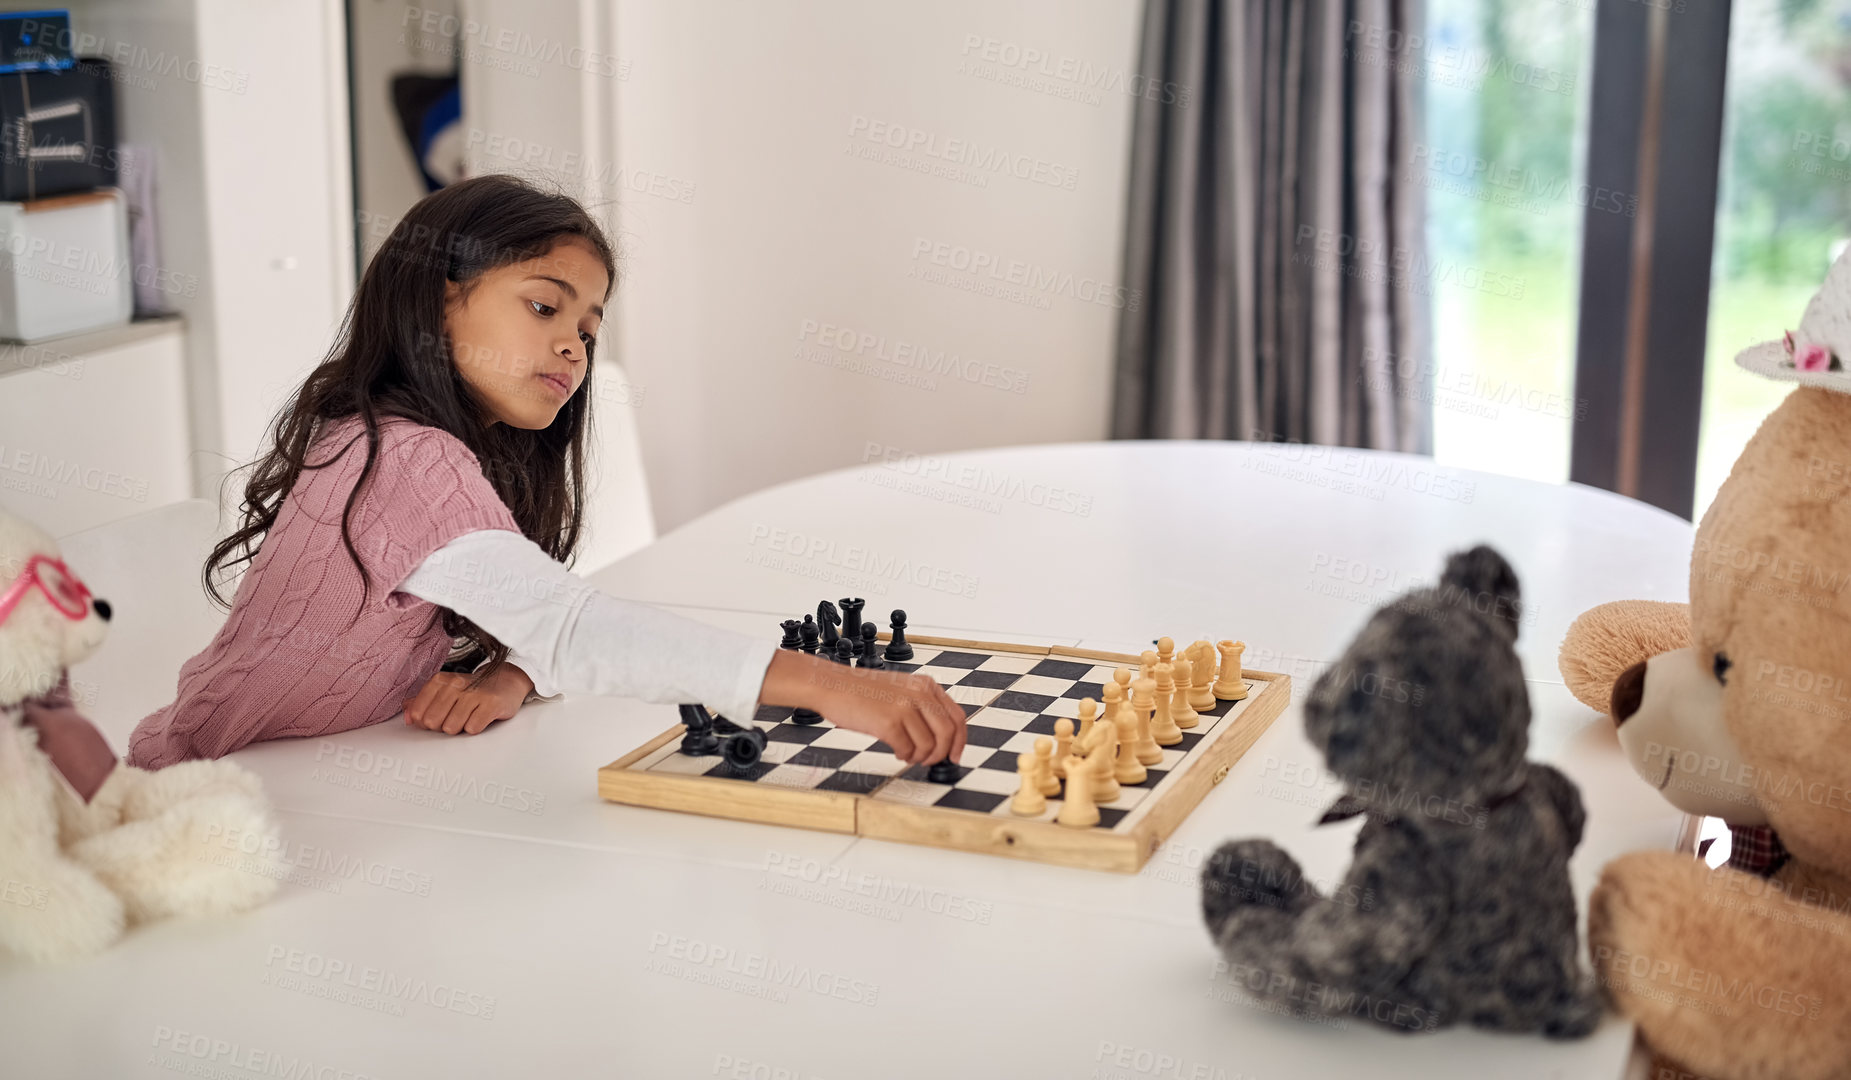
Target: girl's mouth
x,y
558,382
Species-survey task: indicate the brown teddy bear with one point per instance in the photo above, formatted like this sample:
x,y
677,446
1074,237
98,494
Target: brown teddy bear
x,y
1739,706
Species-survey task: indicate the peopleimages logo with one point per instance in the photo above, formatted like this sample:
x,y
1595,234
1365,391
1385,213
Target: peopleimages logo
x,y
1035,279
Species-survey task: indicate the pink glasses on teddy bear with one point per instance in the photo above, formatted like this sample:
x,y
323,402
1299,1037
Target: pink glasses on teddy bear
x,y
55,580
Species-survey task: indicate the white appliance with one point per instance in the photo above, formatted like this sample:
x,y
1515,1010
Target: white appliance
x,y
64,265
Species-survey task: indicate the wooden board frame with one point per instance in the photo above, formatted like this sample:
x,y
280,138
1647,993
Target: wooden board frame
x,y
1123,851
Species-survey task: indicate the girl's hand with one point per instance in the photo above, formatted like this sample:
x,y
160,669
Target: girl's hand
x,y
909,712
446,705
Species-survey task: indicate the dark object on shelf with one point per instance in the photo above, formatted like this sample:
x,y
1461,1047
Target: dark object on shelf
x,y
58,131
899,648
427,105
35,41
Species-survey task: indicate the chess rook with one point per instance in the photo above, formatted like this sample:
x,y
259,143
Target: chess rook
x,y
1230,686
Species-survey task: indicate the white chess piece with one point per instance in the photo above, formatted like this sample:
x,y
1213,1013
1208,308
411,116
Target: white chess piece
x,y
1182,711
1044,766
1028,800
1201,695
1143,703
1128,769
1077,809
1229,686
1063,738
1163,728
1103,762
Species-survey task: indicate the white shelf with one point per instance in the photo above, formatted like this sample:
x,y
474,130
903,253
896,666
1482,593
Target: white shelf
x,y
18,356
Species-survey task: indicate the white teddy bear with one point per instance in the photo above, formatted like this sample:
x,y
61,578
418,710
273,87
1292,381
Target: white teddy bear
x,y
89,844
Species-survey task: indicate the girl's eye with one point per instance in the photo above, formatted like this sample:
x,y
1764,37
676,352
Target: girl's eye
x,y
586,338
541,309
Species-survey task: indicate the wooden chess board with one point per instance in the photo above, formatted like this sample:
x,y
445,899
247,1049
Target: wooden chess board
x,y
824,777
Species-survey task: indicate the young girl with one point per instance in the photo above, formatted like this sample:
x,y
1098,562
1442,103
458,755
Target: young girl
x,y
426,483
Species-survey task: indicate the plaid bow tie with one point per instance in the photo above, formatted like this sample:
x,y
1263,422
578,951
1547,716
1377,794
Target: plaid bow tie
x,y
1753,849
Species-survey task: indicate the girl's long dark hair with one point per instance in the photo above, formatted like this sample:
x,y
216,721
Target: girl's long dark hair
x,y
393,358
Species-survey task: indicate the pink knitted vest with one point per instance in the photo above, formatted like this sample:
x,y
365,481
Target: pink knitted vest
x,y
288,662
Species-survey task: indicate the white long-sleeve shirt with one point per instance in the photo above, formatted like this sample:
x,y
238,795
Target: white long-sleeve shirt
x,y
569,636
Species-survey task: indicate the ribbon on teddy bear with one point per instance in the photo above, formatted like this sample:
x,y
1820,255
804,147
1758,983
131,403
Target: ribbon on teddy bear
x,y
76,748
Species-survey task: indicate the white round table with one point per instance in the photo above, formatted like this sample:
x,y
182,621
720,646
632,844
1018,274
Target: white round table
x,y
468,906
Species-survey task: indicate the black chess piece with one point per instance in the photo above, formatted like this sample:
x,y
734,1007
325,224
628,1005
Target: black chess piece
x,y
790,639
845,652
944,772
700,739
851,617
870,651
828,620
898,648
744,749
809,634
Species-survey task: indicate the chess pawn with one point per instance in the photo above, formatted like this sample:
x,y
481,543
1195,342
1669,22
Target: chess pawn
x,y
1147,663
1128,769
1163,729
1028,800
1143,703
1104,764
1123,678
898,648
1063,738
1166,649
1077,809
1200,694
1112,696
1044,766
1181,709
1229,686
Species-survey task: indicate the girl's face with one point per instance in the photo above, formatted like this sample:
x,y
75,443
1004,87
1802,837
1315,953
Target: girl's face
x,y
521,337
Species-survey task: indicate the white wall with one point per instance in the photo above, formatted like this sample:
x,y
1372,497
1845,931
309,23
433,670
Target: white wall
x,y
745,221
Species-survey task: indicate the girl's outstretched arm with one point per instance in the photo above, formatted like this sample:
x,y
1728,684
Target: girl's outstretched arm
x,y
574,637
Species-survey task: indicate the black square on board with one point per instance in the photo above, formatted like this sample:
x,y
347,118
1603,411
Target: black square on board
x,y
794,733
1060,669
1001,761
1044,724
1109,817
772,714
969,709
725,771
966,799
979,735
1018,701
958,659
829,757
855,783
989,680
1093,690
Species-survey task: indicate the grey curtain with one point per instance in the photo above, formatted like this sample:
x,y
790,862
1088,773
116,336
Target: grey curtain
x,y
1275,228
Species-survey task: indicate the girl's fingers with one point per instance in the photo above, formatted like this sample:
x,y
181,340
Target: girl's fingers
x,y
461,712
898,740
918,732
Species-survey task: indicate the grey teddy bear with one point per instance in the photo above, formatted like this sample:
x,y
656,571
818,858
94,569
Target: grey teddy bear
x,y
1457,905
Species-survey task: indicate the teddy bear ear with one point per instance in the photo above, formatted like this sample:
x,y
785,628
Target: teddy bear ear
x,y
1483,575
